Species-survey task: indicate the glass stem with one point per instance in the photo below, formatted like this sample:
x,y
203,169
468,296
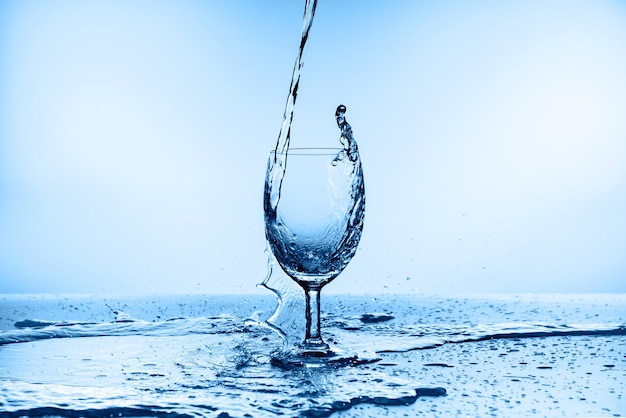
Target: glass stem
x,y
313,334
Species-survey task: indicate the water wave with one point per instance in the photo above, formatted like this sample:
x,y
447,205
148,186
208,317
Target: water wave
x,y
221,364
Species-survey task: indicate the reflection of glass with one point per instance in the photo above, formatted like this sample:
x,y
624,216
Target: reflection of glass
x,y
313,223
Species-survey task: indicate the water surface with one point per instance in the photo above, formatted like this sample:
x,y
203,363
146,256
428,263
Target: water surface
x,y
205,356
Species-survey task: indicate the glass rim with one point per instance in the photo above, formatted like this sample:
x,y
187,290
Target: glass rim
x,y
308,151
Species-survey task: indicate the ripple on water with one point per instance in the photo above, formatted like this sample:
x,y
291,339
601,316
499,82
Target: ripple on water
x,y
226,368
221,363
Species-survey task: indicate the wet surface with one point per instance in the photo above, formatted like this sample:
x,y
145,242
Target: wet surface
x,y
195,356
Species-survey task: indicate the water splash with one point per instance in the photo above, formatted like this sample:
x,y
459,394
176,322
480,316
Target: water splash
x,y
347,140
220,362
286,319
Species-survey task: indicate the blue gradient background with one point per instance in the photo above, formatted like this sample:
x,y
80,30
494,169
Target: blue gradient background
x,y
134,138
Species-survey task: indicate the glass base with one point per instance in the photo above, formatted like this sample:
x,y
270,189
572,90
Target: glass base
x,y
316,356
314,348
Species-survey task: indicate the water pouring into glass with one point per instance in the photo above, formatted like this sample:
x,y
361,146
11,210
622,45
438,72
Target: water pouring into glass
x,y
314,203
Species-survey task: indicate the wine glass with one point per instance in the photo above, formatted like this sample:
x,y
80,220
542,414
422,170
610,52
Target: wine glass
x,y
314,203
